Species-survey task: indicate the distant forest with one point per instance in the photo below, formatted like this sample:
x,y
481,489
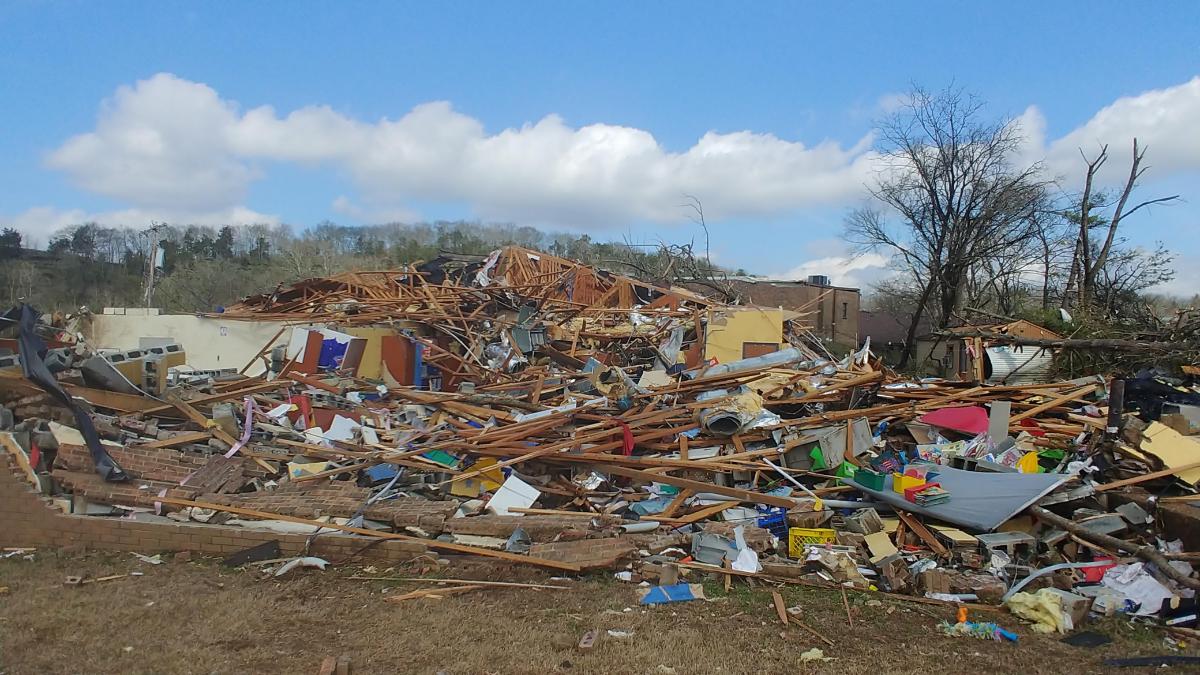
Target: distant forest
x,y
203,268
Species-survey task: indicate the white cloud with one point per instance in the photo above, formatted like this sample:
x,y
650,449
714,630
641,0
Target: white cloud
x,y
41,222
861,271
1163,120
163,143
169,142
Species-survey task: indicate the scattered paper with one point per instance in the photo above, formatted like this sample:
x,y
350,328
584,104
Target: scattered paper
x,y
1135,583
280,411
746,559
341,429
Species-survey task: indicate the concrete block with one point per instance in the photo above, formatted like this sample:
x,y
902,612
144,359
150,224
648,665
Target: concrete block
x,y
1076,606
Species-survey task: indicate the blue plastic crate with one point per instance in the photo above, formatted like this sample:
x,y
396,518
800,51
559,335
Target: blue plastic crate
x,y
773,519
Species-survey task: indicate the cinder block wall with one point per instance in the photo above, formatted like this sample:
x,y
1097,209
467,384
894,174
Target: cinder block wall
x,y
29,519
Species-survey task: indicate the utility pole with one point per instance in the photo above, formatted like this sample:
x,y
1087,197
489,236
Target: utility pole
x,y
152,259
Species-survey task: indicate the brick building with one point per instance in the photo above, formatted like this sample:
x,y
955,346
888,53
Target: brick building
x,y
831,312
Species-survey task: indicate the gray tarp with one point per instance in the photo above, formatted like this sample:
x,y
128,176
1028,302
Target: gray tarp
x,y
33,351
978,500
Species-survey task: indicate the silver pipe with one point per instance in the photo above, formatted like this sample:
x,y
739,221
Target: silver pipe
x,y
779,358
1046,570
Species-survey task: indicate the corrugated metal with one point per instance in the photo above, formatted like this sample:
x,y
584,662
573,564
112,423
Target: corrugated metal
x,y
1009,364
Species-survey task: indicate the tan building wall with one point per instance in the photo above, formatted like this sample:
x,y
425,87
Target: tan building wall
x,y
744,332
831,312
210,343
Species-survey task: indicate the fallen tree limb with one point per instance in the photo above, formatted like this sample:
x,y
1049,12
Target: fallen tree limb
x,y
1069,343
1147,553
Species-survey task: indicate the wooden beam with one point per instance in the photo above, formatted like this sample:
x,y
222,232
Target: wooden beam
x,y
18,453
675,504
205,423
1052,403
181,439
200,419
556,512
431,543
780,609
695,515
113,400
1145,552
467,582
1063,343
1145,477
222,396
918,528
713,569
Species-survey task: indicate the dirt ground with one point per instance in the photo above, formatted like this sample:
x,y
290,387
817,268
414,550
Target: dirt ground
x,y
199,617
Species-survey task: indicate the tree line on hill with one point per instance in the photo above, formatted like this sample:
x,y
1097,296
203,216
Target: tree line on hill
x,y
203,268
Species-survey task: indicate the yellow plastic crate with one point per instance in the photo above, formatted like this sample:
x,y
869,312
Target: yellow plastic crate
x,y
799,536
900,482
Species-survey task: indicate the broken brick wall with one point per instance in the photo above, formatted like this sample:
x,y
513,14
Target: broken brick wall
x,y
157,464
35,405
150,464
31,520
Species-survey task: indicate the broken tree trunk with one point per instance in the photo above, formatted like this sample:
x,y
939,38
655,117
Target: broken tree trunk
x,y
1147,553
1124,345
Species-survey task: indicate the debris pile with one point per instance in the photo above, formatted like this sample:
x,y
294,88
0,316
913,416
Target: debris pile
x,y
530,409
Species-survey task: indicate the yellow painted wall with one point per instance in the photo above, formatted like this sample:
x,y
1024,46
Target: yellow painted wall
x,y
729,328
371,365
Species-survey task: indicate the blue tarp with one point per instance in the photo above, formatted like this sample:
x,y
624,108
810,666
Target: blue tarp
x,y
979,501
658,595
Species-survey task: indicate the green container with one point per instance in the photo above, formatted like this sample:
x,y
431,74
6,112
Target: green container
x,y
869,479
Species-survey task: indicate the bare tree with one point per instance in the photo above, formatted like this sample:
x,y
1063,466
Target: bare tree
x,y
1127,273
1052,240
682,263
1090,257
696,206
952,194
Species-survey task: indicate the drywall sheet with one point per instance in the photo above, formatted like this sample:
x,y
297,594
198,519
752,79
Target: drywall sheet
x,y
1173,448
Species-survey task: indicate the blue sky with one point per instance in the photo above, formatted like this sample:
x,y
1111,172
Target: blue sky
x,y
593,117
